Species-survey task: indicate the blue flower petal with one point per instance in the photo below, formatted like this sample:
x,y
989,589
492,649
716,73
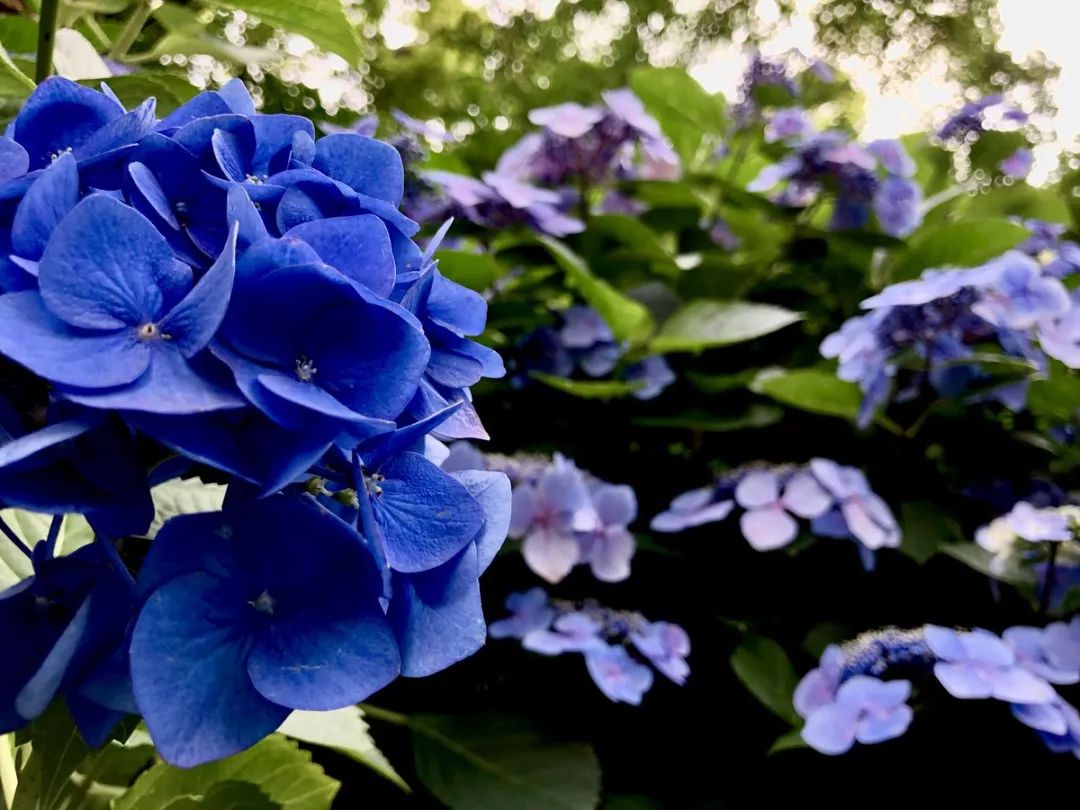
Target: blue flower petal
x,y
358,247
188,667
366,165
426,516
32,336
49,200
492,491
193,322
60,115
100,268
437,615
13,159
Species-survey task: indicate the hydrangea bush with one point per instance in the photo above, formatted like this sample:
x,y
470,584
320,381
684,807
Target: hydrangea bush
x,y
275,392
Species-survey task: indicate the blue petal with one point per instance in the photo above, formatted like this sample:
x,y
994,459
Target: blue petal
x,y
193,322
38,692
366,165
101,267
244,443
358,247
13,159
492,491
437,615
197,137
377,450
33,337
199,705
229,158
426,516
203,105
59,115
49,200
464,423
241,210
26,447
122,131
170,386
274,135
148,196
237,97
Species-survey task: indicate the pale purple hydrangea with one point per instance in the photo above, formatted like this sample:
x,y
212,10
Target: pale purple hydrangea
x,y
695,508
1018,165
604,637
977,664
865,710
786,123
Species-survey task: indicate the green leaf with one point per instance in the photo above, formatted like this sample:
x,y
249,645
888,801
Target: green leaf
x,y
763,667
963,243
477,271
757,416
322,21
183,496
638,237
628,319
925,529
277,766
720,383
810,389
787,742
588,389
979,559
707,323
56,751
1056,397
169,90
683,108
346,732
1020,200
823,634
8,65
993,147
230,795
495,762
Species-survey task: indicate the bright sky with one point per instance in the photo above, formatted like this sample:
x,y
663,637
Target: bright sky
x,y
1047,25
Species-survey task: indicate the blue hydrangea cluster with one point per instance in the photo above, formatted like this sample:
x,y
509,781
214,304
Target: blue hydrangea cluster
x,y
876,178
932,328
837,500
220,289
846,699
563,516
1036,543
538,180
582,340
606,638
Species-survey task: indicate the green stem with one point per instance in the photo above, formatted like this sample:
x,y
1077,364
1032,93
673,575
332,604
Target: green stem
x,y
126,38
385,715
46,38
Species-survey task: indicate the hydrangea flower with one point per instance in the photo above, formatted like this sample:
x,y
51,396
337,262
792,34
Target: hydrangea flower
x,y
603,636
225,286
836,499
1018,165
864,709
978,664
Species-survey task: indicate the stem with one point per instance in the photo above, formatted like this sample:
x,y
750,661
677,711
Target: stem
x,y
385,715
15,539
54,533
1048,584
46,39
126,38
94,27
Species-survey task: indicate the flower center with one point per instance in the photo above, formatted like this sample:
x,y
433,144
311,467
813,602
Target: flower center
x,y
264,603
150,331
305,368
373,483
256,179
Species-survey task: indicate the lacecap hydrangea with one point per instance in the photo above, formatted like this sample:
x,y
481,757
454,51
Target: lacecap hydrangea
x,y
219,291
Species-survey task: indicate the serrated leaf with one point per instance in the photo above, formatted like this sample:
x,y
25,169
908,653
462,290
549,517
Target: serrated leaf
x,y
184,496
763,667
322,21
628,319
963,243
32,528
495,762
277,766
346,732
1057,396
707,324
230,795
588,389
